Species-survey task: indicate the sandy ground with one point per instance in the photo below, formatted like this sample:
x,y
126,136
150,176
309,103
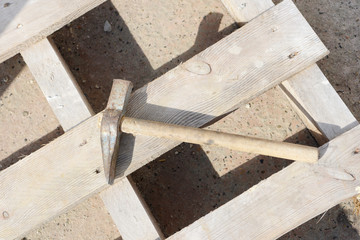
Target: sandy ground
x,y
147,39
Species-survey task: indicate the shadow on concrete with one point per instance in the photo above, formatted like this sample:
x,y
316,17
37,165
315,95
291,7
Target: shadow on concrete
x,y
8,72
182,185
97,57
28,149
11,67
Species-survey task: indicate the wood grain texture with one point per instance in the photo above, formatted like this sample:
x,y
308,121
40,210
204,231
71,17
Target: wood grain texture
x,y
61,89
23,23
57,83
286,199
42,187
318,100
65,171
245,10
134,223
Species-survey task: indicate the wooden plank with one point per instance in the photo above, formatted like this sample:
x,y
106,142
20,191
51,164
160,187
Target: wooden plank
x,y
23,23
210,138
66,170
60,88
288,198
57,83
122,201
320,103
245,10
309,92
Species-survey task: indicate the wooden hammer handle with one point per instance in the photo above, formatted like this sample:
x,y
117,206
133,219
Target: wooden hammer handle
x,y
206,137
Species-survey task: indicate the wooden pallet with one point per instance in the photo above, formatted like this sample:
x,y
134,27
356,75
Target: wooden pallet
x,y
262,212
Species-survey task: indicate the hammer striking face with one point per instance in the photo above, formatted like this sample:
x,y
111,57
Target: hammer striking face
x,y
110,125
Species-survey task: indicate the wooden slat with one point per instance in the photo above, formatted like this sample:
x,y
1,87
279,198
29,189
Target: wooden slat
x,y
60,88
57,83
245,10
122,201
313,94
66,170
23,23
286,199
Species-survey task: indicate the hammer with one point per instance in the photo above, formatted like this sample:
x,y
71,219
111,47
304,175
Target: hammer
x,y
113,123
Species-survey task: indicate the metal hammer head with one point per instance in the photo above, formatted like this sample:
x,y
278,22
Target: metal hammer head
x,y
110,125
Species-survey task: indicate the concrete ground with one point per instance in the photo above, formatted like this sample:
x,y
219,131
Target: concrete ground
x,y
147,39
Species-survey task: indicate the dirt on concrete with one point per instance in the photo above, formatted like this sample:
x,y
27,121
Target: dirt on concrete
x,y
148,38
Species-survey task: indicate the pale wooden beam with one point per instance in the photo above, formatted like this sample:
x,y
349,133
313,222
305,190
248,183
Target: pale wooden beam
x,y
122,201
70,106
57,83
245,10
69,169
23,23
288,198
316,100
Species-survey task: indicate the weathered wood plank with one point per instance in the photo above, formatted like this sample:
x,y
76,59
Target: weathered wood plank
x,y
313,94
57,83
134,223
23,23
245,10
286,199
60,88
239,67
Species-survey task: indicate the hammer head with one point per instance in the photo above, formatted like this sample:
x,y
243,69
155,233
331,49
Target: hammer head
x,y
110,125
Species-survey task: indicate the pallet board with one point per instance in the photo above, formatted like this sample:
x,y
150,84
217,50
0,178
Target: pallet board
x,y
23,23
123,202
57,83
319,103
245,10
60,88
288,198
191,94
